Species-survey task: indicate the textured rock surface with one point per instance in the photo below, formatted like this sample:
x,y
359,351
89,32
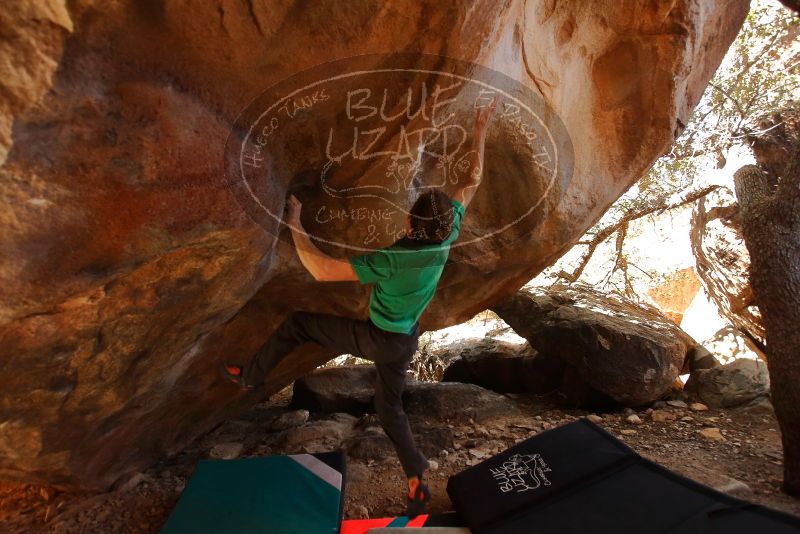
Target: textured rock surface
x,y
128,268
676,293
317,436
630,353
729,385
374,444
460,403
506,368
349,389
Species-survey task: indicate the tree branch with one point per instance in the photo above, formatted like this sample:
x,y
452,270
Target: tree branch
x,y
630,216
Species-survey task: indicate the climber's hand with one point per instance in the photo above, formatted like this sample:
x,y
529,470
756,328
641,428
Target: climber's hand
x,y
483,114
293,207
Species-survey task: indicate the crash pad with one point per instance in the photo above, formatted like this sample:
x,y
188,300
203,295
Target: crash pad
x,y
275,494
578,478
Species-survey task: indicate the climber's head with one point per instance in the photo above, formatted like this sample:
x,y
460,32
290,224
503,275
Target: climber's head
x,y
431,217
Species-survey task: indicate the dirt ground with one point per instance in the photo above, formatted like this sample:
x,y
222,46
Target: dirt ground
x,y
744,458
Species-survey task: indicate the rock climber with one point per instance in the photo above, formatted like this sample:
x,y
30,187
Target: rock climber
x,y
404,278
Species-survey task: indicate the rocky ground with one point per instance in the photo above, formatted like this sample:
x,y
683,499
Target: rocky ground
x,y
735,450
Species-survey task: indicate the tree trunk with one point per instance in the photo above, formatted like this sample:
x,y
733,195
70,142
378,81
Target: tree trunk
x,y
771,228
723,264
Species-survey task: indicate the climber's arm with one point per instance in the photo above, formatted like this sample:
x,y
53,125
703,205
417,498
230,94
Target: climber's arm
x,y
323,268
467,190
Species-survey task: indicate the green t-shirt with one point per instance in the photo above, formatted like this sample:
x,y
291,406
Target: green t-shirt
x,y
405,278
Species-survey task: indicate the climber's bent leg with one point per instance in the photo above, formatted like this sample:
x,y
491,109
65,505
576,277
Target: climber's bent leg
x,y
339,333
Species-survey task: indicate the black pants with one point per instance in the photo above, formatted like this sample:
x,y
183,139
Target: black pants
x,y
391,352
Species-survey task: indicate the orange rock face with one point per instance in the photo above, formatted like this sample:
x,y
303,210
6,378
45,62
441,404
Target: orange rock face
x,y
676,293
130,266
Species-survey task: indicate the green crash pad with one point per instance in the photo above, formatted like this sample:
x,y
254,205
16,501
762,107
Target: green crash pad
x,y
275,494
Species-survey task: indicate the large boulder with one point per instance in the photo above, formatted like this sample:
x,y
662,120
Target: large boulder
x,y
459,403
351,389
629,352
505,367
732,384
134,261
348,388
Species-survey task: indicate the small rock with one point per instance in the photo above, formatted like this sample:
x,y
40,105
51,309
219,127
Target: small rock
x,y
712,433
369,446
319,434
628,411
634,419
433,465
596,419
677,404
226,451
289,420
698,407
361,512
687,418
662,416
478,453
628,432
658,405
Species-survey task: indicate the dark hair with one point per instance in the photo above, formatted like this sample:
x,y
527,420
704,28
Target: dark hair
x,y
431,218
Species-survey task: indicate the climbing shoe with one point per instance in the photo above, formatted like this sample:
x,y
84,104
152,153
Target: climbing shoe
x,y
233,373
418,496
